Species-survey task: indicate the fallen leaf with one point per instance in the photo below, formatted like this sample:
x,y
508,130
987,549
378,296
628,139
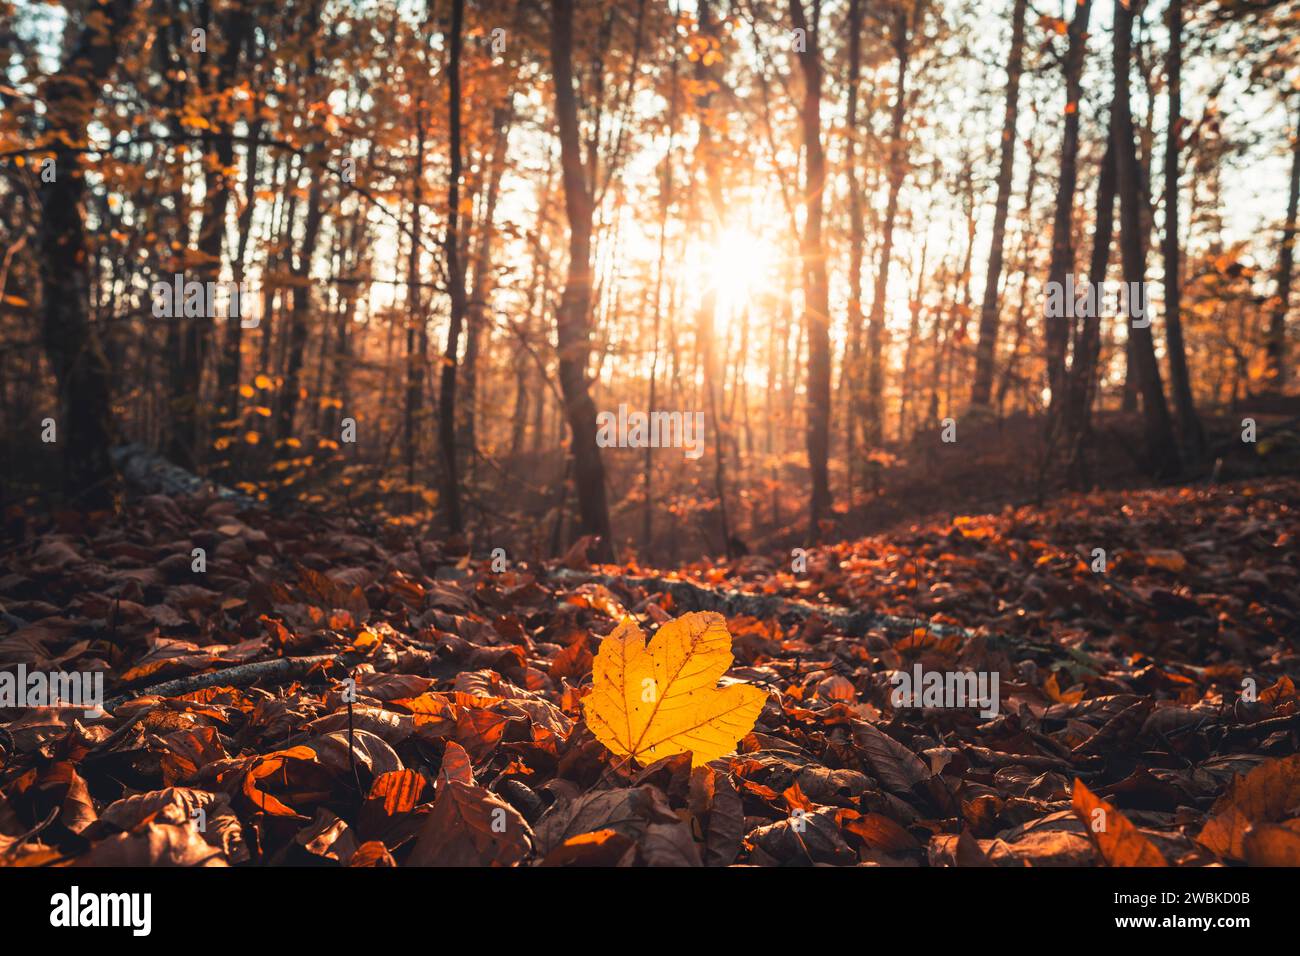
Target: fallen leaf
x,y
471,826
1118,841
649,702
1273,844
1166,559
1265,795
897,767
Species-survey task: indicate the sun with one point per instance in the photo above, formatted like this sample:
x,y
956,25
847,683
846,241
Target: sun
x,y
739,268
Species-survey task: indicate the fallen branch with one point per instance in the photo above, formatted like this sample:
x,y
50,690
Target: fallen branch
x,y
240,675
151,473
730,603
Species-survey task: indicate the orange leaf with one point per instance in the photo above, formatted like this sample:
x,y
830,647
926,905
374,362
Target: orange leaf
x,y
1118,841
1264,795
1274,844
1053,690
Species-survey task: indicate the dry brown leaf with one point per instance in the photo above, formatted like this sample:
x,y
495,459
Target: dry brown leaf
x,y
1273,844
1118,841
471,826
1267,794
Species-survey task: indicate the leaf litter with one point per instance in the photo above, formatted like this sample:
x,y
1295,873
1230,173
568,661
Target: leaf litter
x,y
334,694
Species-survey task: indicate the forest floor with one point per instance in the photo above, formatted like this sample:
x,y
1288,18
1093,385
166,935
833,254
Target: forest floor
x,y
1149,708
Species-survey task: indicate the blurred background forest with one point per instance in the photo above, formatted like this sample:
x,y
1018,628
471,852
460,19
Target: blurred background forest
x,y
462,229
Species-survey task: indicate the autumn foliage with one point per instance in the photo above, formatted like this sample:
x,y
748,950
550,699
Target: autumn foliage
x,y
521,717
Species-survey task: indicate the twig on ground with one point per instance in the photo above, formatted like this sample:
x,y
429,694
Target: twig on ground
x,y
238,676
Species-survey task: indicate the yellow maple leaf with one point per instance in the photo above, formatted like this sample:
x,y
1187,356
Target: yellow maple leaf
x,y
649,702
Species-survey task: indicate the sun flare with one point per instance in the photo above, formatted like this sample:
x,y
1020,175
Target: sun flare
x,y
739,268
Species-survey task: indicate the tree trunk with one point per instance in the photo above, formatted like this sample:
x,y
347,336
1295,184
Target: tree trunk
x,y
816,295
1057,328
478,306
450,501
228,366
1027,254
573,340
849,375
706,156
185,439
297,340
874,417
283,218
1189,423
1162,448
986,351
85,426
913,334
1082,380
666,190
1278,370
417,327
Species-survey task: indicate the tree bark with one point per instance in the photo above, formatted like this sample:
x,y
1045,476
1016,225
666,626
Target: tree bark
x,y
706,156
666,190
298,321
228,366
417,328
450,502
986,350
185,438
296,340
573,335
1082,380
478,306
1057,328
913,335
1189,423
1161,446
1278,369
85,426
848,375
816,294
